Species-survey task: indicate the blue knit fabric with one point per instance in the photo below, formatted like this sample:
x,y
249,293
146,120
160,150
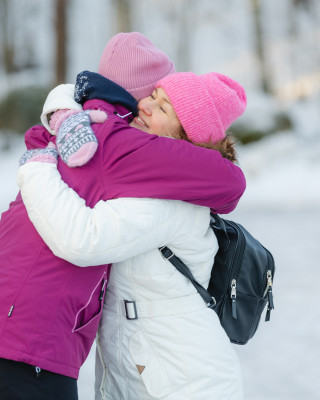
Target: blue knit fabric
x,y
91,85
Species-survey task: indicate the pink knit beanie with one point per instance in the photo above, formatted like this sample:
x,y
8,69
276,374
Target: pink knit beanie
x,y
206,105
132,61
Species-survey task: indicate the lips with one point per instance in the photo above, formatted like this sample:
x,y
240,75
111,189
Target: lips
x,y
141,122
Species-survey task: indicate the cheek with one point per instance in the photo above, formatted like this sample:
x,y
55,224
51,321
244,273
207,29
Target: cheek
x,y
163,126
160,127
175,131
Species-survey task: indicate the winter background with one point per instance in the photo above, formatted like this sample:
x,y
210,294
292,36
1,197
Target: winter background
x,y
281,205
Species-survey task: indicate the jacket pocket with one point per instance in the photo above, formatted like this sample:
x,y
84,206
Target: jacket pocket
x,y
90,313
149,365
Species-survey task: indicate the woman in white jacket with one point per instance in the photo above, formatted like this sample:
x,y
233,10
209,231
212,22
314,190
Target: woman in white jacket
x,y
157,337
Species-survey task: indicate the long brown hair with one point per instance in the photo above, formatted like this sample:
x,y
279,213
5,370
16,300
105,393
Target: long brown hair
x,y
226,146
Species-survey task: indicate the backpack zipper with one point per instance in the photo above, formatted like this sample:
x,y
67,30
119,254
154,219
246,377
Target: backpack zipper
x,y
233,298
233,295
235,268
268,293
38,370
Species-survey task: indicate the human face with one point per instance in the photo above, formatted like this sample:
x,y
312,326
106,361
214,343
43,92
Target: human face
x,y
156,115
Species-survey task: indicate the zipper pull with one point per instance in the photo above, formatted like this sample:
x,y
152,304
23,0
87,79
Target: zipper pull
x,y
233,298
268,314
269,289
10,311
268,292
102,290
38,370
123,116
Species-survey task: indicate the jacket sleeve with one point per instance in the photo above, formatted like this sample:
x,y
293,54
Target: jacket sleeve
x,y
112,231
164,168
196,175
37,137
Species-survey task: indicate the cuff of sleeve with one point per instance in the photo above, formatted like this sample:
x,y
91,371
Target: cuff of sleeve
x,y
30,169
61,97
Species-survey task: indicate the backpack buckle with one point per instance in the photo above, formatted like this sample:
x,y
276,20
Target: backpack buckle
x,y
166,252
212,303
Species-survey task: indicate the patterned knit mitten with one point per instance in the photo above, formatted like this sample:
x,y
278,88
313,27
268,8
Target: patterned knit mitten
x,y
76,141
47,155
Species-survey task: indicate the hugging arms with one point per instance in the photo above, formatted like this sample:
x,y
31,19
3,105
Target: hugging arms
x,y
161,167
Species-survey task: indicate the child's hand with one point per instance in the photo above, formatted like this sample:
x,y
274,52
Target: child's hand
x,y
47,155
76,141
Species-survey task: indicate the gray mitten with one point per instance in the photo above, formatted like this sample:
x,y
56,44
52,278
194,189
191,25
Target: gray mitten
x,y
76,141
47,155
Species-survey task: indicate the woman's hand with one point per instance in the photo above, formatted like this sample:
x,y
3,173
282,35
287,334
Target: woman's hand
x,y
47,155
76,140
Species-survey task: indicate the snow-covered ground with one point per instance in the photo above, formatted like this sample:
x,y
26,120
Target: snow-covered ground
x,y
281,207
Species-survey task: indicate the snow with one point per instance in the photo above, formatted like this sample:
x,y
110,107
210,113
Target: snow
x,y
281,207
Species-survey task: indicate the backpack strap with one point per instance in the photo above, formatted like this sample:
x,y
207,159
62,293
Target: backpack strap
x,y
219,227
184,270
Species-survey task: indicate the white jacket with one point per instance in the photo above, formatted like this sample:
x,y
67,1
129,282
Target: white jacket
x,y
176,348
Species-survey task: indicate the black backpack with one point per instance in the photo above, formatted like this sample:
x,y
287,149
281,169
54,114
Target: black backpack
x,y
241,279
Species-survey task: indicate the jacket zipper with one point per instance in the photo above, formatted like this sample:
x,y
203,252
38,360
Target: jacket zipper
x,y
102,290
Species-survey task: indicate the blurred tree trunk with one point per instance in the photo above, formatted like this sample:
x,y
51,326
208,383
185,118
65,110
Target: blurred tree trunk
x,y
186,21
123,12
303,3
7,44
61,41
259,47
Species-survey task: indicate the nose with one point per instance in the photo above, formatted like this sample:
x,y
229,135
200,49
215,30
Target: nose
x,y
146,106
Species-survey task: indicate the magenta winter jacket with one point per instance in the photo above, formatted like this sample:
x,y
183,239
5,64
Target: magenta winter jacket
x,y
49,308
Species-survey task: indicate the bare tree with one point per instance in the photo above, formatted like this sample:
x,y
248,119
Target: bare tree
x,y
259,45
302,3
123,12
185,20
7,43
61,41
17,50
180,19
